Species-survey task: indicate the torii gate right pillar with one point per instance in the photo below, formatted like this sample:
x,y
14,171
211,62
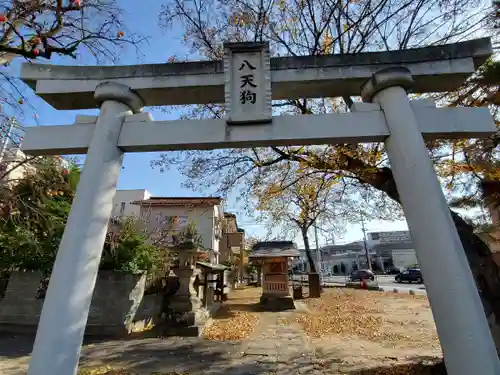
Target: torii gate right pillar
x,y
465,337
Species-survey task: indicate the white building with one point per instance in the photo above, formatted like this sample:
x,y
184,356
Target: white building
x,y
123,202
336,259
385,249
342,263
404,258
155,212
205,212
392,249
381,238
15,164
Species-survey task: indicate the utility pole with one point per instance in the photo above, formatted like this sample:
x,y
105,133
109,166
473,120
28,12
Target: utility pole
x,y
368,261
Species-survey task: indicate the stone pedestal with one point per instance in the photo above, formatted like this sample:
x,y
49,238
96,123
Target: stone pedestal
x,y
314,285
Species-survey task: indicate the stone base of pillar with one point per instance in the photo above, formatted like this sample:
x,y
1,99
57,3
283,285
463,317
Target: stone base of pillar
x,y
188,324
187,315
314,285
272,303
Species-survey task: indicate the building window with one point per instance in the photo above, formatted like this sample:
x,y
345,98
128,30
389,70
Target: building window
x,y
122,208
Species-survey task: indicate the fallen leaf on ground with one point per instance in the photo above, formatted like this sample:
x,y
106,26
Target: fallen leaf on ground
x,y
359,313
236,319
239,325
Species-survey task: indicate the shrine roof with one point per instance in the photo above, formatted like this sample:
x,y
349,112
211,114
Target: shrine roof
x,y
270,249
213,267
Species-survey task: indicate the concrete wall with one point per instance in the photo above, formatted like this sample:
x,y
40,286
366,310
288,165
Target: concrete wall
x,y
20,305
118,304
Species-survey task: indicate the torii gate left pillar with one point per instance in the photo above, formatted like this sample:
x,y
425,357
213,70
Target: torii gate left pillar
x,y
66,307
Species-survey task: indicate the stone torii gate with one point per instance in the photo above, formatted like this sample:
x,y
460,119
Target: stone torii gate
x,y
246,82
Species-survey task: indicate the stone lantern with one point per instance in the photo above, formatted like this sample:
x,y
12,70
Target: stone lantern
x,y
186,303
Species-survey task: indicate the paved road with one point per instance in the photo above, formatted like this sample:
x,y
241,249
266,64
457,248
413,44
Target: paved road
x,y
386,282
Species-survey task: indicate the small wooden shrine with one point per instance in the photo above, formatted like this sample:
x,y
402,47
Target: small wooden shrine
x,y
275,257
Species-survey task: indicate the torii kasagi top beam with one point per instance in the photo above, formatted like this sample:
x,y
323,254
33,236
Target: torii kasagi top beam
x,y
432,68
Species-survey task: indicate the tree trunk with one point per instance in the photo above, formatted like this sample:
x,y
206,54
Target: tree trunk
x,y
310,260
485,270
486,273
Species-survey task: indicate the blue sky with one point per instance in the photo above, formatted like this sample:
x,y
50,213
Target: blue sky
x,y
137,173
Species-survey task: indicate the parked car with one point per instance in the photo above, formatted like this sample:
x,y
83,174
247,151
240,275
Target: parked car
x,y
392,271
362,275
410,275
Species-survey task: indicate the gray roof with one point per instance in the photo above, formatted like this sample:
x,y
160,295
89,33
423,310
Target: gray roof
x,y
269,249
213,267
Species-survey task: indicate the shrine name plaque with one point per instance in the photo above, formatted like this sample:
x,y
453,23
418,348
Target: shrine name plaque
x,y
247,83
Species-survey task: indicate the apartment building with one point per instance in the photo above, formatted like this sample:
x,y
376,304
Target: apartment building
x,y
232,240
205,212
218,230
